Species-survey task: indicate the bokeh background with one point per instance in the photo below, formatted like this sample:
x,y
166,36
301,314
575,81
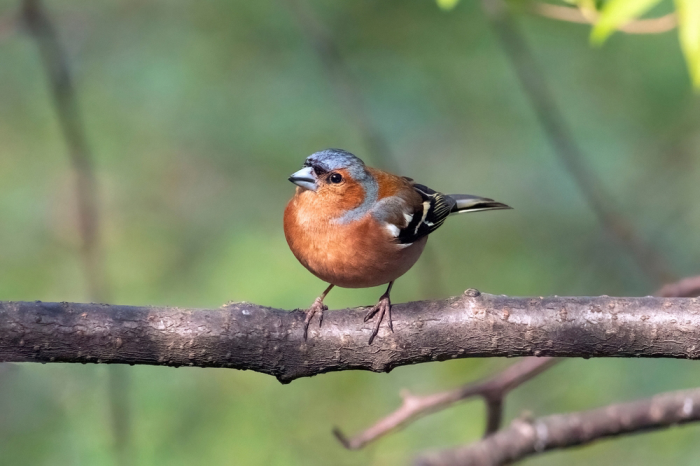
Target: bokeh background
x,y
196,113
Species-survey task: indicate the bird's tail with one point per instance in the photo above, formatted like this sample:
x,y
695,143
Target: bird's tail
x,y
468,203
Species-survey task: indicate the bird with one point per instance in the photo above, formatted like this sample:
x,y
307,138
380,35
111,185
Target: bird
x,y
355,226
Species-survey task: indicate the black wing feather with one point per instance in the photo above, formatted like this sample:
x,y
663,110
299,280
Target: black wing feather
x,y
428,217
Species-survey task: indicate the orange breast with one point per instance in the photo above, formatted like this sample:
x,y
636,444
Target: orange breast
x,y
355,255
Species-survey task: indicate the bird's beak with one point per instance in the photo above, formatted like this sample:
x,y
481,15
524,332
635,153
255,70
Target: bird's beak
x,y
304,178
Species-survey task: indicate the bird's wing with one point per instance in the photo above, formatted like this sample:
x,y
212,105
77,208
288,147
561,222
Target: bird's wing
x,y
427,216
413,210
409,211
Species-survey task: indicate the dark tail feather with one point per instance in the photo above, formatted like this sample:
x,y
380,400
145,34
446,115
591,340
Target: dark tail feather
x,y
469,203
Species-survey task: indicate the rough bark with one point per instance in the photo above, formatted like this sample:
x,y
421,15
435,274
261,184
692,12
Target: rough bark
x,y
252,337
526,437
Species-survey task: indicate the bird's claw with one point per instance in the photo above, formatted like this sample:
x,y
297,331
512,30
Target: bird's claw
x,y
316,307
373,310
383,307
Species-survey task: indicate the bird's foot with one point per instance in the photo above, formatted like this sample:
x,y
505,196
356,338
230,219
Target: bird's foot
x,y
316,307
383,308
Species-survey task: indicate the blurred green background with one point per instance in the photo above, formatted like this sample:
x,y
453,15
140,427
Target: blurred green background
x,y
197,112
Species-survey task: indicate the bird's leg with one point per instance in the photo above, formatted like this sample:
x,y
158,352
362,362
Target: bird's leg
x,y
317,306
383,307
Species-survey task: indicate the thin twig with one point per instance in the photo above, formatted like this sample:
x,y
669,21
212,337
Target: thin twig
x,y
492,390
528,437
342,81
8,25
534,84
494,415
658,25
55,60
55,63
686,288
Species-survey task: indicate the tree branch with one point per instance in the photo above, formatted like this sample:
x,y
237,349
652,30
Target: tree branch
x,y
492,390
253,337
658,25
686,288
526,437
8,25
507,379
55,63
65,99
342,81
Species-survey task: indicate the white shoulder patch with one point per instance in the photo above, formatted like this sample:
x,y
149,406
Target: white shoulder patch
x,y
393,229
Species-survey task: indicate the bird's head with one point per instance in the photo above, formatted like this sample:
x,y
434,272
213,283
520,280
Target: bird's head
x,y
336,179
331,172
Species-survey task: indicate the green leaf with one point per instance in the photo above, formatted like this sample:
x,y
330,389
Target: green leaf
x,y
616,13
589,4
447,4
688,12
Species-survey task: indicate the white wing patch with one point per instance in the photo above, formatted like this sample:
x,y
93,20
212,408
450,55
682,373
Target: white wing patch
x,y
393,229
385,212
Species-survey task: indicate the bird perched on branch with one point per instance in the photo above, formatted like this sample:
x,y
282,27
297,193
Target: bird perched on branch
x,y
355,226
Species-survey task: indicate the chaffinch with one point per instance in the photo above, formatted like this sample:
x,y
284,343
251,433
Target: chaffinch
x,y
355,226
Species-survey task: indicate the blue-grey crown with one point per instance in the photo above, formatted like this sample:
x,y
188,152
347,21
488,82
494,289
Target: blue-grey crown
x,y
334,159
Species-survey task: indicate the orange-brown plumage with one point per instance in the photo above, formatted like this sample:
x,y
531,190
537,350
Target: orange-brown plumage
x,y
359,255
354,226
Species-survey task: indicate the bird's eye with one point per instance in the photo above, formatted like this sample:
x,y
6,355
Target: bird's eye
x,y
335,178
